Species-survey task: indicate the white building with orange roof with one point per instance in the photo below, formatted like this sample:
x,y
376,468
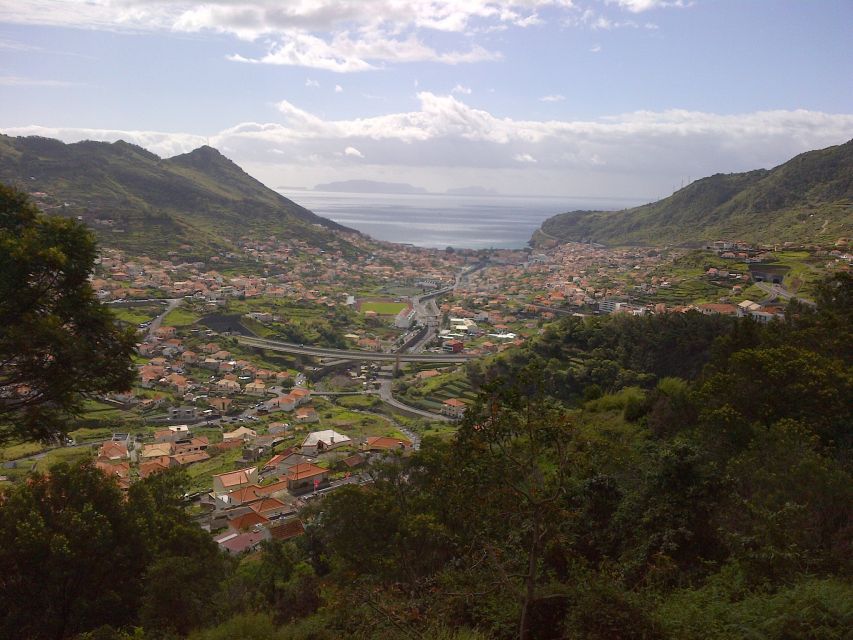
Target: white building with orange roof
x,y
224,483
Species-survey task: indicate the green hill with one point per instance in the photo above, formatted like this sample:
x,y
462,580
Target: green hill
x,y
135,200
809,198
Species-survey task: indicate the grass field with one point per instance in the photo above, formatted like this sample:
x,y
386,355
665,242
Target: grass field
x,y
382,308
180,318
136,315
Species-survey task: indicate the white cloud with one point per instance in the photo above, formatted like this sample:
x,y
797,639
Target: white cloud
x,y
339,88
311,83
638,6
164,144
552,98
595,48
335,35
461,90
18,81
640,152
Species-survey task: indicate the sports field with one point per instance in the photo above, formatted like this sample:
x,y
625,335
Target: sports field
x,y
382,308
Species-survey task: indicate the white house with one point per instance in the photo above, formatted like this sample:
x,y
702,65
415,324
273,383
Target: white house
x,y
319,441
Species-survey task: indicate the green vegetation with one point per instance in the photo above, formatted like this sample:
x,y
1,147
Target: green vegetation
x,y
693,481
88,558
430,393
807,199
139,201
137,314
200,473
57,342
180,317
382,308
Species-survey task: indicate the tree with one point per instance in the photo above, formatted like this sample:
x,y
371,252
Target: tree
x,y
57,342
526,440
69,560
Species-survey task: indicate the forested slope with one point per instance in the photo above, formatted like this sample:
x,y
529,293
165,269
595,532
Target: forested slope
x,y
677,476
200,198
807,199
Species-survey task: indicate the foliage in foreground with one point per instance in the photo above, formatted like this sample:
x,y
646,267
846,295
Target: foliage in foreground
x,y
713,505
57,341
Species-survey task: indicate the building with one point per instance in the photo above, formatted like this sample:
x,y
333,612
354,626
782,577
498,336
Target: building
x,y
610,305
305,477
256,388
453,408
747,307
306,414
240,433
157,450
233,480
113,451
382,443
172,434
405,318
182,413
319,441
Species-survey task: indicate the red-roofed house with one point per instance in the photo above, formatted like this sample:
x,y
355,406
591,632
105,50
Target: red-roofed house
x,y
113,451
381,443
157,465
236,543
290,529
247,521
224,483
269,507
119,470
306,476
453,407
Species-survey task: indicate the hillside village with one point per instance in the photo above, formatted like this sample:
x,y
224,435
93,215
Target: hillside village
x,y
260,432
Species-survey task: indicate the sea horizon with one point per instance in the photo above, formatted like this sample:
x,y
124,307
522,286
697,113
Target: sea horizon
x,y
437,220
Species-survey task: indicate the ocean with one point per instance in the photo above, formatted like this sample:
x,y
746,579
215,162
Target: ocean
x,y
427,220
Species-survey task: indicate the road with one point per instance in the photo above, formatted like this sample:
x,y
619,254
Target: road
x,y
171,304
774,291
386,397
343,354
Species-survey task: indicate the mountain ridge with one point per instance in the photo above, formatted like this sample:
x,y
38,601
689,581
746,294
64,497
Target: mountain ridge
x,y
808,198
201,198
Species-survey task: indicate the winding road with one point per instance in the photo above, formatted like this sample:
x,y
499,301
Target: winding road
x,y
344,354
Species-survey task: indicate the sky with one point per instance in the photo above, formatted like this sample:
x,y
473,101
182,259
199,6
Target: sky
x,y
582,98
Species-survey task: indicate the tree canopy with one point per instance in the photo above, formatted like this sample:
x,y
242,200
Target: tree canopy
x,y
57,342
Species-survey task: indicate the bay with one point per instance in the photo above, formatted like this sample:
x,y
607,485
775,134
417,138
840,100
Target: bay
x,y
438,220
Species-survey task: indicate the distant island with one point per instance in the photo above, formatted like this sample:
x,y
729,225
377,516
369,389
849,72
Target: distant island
x,y
370,186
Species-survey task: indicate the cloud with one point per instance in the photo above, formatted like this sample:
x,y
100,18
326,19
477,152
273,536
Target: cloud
x,y
339,88
595,48
18,81
624,154
311,83
15,45
345,54
638,6
552,98
335,35
164,144
461,90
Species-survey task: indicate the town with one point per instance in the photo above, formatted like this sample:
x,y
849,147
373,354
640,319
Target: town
x,y
280,371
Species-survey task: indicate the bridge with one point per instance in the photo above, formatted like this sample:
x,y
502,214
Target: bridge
x,y
344,354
